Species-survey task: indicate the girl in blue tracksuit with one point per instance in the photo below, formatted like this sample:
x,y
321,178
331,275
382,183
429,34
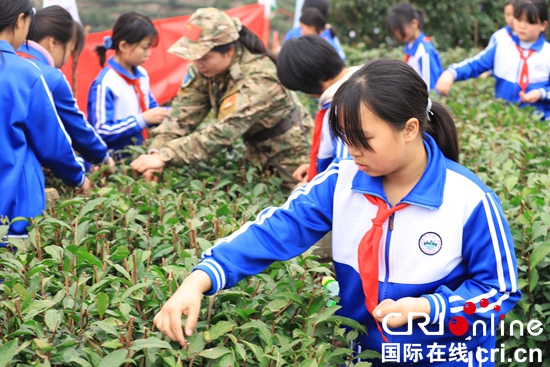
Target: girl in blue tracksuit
x,y
53,36
405,23
31,134
120,103
520,64
446,250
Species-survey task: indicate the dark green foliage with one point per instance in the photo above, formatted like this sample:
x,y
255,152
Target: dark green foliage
x,y
450,23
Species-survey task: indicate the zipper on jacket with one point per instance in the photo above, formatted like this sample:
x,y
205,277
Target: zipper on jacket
x,y
382,294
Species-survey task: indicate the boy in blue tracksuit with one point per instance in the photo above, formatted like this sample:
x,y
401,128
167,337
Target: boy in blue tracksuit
x,y
520,63
405,23
62,27
309,65
31,133
413,231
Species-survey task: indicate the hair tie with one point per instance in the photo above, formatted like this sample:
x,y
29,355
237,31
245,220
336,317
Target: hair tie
x,y
237,23
107,42
429,109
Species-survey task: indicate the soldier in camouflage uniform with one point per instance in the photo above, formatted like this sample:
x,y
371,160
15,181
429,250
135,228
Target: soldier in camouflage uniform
x,y
246,96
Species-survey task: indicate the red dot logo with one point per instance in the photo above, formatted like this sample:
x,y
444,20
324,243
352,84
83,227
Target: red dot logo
x,y
502,317
484,302
469,308
458,325
497,308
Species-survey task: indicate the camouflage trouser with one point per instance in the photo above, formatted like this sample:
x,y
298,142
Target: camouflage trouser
x,y
289,150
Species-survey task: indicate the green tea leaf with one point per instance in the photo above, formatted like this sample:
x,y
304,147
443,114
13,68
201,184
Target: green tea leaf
x,y
52,319
114,359
220,329
214,353
7,352
539,253
150,343
101,303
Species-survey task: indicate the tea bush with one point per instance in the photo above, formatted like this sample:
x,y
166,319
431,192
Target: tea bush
x,y
83,289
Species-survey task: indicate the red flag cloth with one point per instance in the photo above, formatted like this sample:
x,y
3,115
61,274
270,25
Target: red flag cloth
x,y
368,254
523,80
192,31
316,143
139,93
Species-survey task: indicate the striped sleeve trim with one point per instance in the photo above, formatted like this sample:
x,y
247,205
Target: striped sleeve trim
x,y
215,272
437,307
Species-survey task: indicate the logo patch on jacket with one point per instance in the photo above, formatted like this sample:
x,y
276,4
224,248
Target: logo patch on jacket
x,y
430,243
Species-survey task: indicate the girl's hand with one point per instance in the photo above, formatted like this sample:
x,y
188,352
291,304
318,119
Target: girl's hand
x,y
147,162
300,175
186,301
156,115
403,306
445,82
85,188
530,97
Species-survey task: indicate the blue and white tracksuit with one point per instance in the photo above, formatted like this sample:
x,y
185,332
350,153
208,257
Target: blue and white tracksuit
x,y
114,108
505,60
84,138
502,33
31,136
326,35
451,245
422,56
331,148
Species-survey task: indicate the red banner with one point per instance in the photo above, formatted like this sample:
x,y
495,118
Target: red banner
x,y
166,71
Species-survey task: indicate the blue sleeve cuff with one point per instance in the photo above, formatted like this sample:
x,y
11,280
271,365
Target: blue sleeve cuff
x,y
453,71
438,307
216,274
141,121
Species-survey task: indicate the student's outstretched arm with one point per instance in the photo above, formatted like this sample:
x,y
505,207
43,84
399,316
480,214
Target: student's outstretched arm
x,y
474,66
85,139
48,138
277,234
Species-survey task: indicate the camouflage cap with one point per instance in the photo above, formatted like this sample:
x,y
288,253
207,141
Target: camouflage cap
x,y
206,29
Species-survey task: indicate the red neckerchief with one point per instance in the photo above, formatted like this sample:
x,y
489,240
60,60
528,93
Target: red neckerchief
x,y
523,80
316,143
139,93
367,254
26,55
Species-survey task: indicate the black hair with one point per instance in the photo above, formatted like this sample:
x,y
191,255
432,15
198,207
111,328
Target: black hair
x,y
80,38
250,41
313,18
304,62
393,91
509,2
52,21
535,10
322,5
403,14
131,27
11,10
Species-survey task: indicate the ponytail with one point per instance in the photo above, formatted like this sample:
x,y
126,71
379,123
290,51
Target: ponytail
x,y
254,44
101,51
442,128
395,93
248,40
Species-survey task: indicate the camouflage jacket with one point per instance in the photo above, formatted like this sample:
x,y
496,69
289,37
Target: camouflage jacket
x,y
246,99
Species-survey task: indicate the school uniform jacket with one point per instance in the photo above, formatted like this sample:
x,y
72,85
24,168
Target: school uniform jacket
x,y
31,136
504,58
502,33
422,56
451,245
331,148
85,139
113,105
